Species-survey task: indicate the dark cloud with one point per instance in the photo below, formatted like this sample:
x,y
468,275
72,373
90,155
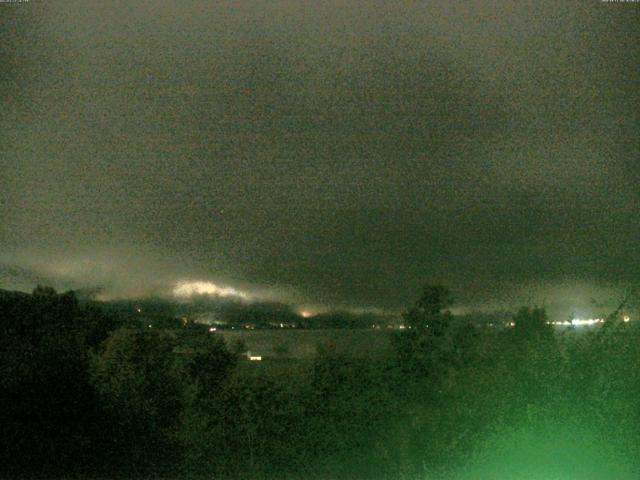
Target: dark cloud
x,y
334,153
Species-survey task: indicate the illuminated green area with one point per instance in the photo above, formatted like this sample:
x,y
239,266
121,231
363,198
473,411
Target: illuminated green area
x,y
552,453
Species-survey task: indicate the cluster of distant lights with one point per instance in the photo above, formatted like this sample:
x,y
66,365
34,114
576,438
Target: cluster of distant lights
x,y
575,322
578,322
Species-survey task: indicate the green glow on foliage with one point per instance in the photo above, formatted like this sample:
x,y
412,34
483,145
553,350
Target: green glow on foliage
x,y
551,453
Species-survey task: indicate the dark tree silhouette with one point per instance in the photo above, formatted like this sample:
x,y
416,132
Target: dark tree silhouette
x,y
430,311
532,322
47,405
427,347
140,389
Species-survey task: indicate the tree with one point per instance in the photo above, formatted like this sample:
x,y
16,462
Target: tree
x,y
533,360
47,405
139,387
207,362
430,311
532,322
422,348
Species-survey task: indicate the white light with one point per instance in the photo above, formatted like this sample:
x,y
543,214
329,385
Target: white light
x,y
212,329
626,318
578,322
188,289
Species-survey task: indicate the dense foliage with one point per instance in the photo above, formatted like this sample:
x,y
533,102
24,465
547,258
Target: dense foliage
x,y
84,393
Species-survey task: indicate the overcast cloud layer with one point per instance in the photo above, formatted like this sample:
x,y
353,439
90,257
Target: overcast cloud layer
x,y
323,153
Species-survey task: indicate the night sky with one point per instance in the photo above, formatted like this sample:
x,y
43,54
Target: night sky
x,y
326,154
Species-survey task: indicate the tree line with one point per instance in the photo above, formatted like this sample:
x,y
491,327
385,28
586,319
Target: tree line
x,y
86,393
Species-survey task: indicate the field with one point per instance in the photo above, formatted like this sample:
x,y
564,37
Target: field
x,y
303,344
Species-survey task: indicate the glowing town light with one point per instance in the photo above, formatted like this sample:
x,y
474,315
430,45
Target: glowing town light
x,y
188,289
306,314
565,323
578,322
626,318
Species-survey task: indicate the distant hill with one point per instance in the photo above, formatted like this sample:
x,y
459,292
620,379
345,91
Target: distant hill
x,y
204,309
12,294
